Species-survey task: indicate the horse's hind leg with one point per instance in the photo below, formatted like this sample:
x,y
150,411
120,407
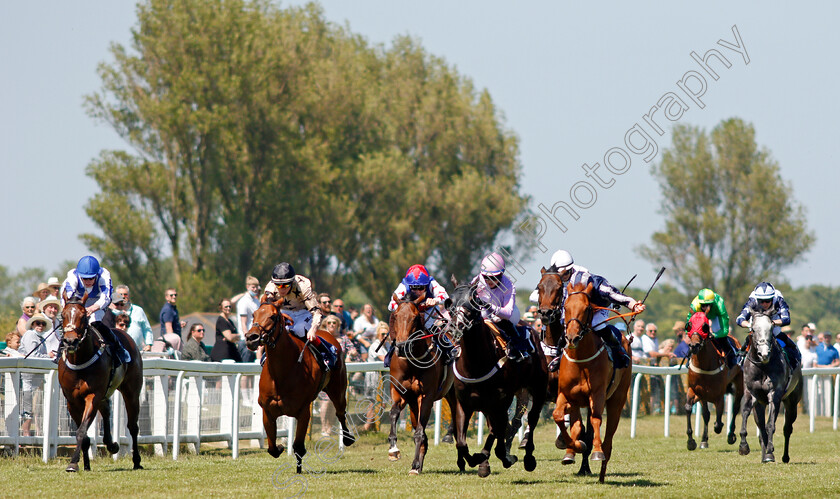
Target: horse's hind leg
x,y
299,445
585,470
132,412
533,418
396,409
790,418
337,393
421,440
105,411
719,407
747,401
775,402
736,408
704,442
450,432
462,421
499,426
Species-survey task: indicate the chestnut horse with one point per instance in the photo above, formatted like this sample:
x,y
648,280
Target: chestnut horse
x,y
419,377
588,378
709,379
88,379
486,382
287,387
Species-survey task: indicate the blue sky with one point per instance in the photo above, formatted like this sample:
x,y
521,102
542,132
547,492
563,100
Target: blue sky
x,y
569,79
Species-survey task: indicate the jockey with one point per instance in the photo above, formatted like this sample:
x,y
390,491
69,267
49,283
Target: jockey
x,y
768,300
711,304
301,304
498,293
606,295
416,281
89,278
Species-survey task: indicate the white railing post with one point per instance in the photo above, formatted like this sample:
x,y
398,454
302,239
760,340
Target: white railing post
x,y
50,420
667,408
480,427
160,396
176,420
234,429
437,421
195,388
698,415
634,405
12,407
812,402
256,415
836,400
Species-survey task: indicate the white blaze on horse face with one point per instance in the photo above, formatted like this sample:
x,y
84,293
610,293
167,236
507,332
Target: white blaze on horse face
x,y
762,328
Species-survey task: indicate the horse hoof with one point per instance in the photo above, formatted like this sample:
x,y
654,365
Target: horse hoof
x,y
72,468
785,459
560,443
484,469
597,456
530,463
510,461
718,428
349,440
113,447
731,439
569,458
769,458
447,439
394,456
744,450
462,465
414,472
691,445
276,451
704,445
138,467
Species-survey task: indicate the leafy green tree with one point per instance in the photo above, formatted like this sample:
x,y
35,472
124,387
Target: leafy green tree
x,y
730,219
270,134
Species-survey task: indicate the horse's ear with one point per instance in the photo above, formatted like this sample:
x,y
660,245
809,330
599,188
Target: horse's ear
x,y
394,298
279,302
454,280
542,271
447,303
84,298
421,298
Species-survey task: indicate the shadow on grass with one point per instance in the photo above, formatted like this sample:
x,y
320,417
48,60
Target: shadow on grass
x,y
635,483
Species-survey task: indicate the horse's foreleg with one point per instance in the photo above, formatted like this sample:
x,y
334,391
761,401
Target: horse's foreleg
x,y
421,440
790,418
105,411
736,409
704,407
270,425
396,409
452,400
719,407
775,402
462,421
759,418
516,422
299,445
132,412
499,427
530,461
747,401
82,440
596,412
337,393
690,400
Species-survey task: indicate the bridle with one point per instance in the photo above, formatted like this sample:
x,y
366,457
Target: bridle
x,y
84,325
555,313
268,336
585,325
761,340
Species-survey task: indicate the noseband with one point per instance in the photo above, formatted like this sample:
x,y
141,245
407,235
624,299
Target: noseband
x,y
555,313
585,327
83,325
268,337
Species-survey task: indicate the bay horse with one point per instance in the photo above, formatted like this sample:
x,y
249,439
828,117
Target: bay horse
x,y
287,388
709,380
419,376
88,378
770,381
588,378
486,381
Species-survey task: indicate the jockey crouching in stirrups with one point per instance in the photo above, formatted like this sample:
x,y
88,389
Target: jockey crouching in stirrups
x,y
497,291
301,304
417,281
711,304
768,300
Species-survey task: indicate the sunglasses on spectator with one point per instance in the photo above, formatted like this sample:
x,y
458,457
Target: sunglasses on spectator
x,y
29,306
172,294
339,306
325,302
199,330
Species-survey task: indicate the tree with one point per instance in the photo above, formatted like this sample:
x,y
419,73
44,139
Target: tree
x,y
730,219
270,134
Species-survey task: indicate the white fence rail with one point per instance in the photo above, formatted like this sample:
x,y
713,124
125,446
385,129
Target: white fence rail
x,y
176,401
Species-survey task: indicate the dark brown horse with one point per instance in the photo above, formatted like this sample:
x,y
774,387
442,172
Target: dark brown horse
x,y
588,378
418,377
709,380
287,388
88,379
486,382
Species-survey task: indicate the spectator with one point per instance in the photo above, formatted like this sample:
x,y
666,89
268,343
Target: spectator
x,y
377,354
168,343
122,323
366,323
226,335
827,356
808,350
170,321
354,314
666,349
194,348
42,291
530,315
331,324
324,303
651,344
27,307
55,286
12,344
32,344
837,343
803,334
682,350
138,327
338,309
636,347
50,308
245,309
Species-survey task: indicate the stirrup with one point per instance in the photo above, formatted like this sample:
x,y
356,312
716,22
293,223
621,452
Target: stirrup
x,y
554,365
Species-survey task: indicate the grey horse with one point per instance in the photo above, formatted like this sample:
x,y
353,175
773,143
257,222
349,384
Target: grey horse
x,y
770,381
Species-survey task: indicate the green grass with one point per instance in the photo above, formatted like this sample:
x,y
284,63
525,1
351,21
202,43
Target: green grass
x,y
650,465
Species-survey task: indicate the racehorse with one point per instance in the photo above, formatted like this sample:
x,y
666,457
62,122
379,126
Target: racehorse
x,y
709,379
287,388
486,381
419,377
588,378
88,377
770,381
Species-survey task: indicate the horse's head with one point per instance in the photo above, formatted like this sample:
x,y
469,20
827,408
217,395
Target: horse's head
x,y
268,322
74,321
551,295
407,321
699,329
465,307
761,327
578,311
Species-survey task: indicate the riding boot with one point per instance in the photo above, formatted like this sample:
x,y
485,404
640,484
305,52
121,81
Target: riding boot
x,y
328,355
391,349
517,346
742,352
118,353
611,336
794,356
446,349
58,352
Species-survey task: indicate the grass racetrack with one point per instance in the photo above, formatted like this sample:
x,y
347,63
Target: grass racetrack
x,y
650,465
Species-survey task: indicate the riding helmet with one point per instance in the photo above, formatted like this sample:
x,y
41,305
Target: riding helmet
x,y
283,273
561,259
493,264
764,291
417,275
705,296
88,267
